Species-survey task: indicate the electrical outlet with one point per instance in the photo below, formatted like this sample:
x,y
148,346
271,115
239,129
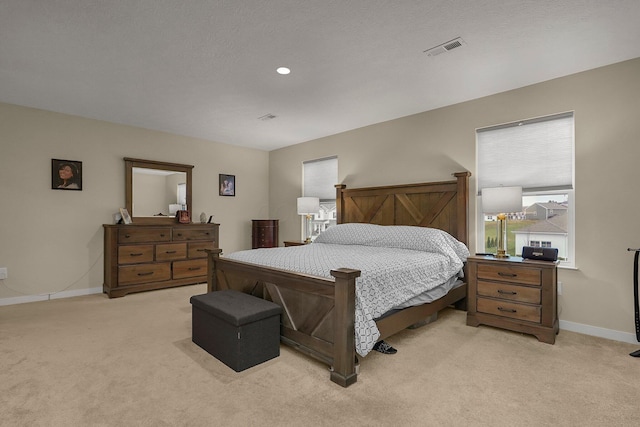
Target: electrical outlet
x,y
559,288
3,273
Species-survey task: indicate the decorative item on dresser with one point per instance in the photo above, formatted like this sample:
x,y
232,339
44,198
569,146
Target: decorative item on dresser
x,y
264,233
153,256
515,294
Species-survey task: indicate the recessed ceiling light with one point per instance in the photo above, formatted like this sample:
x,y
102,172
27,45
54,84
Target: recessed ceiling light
x,y
283,70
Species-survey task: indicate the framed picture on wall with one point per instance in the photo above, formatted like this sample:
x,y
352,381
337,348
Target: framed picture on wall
x,y
66,174
227,185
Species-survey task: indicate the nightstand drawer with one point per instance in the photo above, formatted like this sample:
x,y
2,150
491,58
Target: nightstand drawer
x,y
516,273
529,313
509,292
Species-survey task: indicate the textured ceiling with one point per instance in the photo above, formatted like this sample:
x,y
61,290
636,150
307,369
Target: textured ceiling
x,y
206,68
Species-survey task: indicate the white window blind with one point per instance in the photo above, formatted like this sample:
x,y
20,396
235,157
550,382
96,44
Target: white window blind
x,y
535,154
320,178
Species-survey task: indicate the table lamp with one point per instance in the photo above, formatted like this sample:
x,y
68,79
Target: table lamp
x,y
308,206
501,201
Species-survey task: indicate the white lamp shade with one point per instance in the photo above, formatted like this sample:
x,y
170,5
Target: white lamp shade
x,y
308,205
502,200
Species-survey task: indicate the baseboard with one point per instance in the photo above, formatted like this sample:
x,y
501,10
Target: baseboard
x,y
47,297
598,332
564,325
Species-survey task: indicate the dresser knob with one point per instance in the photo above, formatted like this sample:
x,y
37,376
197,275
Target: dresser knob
x,y
507,310
500,291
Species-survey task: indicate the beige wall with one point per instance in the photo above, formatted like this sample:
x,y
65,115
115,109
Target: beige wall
x,y
432,145
52,241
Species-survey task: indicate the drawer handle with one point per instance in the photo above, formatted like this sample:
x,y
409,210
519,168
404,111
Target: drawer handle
x,y
507,310
200,250
500,273
126,236
500,291
180,234
138,254
149,273
162,235
170,252
194,268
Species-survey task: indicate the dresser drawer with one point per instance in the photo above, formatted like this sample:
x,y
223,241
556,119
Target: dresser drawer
x,y
192,268
171,251
519,274
143,273
146,234
197,249
193,233
132,254
529,313
509,292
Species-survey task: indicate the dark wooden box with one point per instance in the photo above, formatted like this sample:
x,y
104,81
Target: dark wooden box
x,y
238,329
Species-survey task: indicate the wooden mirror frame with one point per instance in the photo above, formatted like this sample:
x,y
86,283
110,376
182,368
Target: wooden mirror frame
x,y
152,164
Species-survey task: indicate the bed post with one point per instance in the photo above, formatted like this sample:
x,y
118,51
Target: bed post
x,y
339,202
344,370
212,278
462,205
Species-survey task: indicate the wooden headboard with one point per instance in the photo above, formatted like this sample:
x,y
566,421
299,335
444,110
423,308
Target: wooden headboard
x,y
442,205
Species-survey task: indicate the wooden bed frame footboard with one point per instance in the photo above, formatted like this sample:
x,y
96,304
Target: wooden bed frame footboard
x,y
318,313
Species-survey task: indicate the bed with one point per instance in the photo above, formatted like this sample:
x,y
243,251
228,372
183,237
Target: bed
x,y
319,312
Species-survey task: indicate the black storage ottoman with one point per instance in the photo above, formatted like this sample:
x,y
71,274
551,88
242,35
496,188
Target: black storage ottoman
x,y
238,329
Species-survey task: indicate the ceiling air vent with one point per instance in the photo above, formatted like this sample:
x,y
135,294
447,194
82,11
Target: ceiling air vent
x,y
267,117
445,47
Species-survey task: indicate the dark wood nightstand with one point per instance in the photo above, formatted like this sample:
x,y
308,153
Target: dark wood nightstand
x,y
288,243
515,294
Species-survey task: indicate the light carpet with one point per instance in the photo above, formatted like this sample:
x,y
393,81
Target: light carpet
x,y
94,361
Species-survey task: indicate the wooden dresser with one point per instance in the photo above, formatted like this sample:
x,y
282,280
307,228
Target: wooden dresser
x,y
146,257
515,294
264,233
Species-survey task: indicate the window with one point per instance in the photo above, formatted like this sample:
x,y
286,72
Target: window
x,y
538,155
182,194
319,179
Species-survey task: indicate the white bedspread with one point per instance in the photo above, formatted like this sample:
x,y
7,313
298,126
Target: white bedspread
x,y
396,264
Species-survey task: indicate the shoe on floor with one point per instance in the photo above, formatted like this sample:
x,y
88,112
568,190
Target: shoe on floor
x,y
384,348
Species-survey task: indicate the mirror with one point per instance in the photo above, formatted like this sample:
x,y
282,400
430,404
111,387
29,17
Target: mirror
x,y
155,190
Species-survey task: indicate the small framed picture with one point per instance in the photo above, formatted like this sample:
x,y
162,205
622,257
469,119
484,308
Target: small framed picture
x,y
66,174
183,217
227,185
126,218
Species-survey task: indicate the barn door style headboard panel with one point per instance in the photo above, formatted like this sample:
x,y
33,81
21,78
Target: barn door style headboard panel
x,y
442,205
